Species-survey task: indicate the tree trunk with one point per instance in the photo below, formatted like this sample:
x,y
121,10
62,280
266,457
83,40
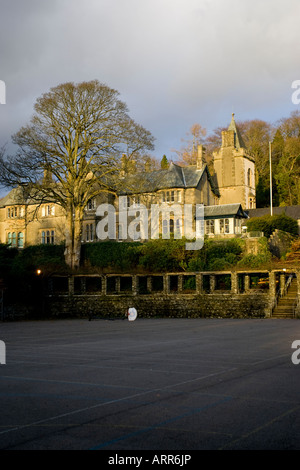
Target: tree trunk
x,y
73,239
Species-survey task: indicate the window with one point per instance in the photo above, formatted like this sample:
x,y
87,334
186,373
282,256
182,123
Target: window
x,y
48,210
178,227
224,225
20,240
165,227
172,226
136,200
89,232
12,212
237,224
170,196
48,237
14,239
120,231
91,205
210,226
249,177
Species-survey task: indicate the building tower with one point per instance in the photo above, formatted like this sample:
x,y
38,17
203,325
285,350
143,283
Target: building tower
x,y
235,169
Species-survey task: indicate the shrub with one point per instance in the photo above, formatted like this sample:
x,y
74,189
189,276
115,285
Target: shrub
x,y
111,255
268,224
263,257
216,255
47,257
164,255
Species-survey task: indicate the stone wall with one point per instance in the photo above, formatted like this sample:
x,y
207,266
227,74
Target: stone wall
x,y
224,294
173,306
280,243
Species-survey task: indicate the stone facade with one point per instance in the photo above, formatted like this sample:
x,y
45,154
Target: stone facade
x,y
235,170
225,196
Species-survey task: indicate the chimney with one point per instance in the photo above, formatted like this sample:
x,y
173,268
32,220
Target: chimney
x,y
200,157
47,178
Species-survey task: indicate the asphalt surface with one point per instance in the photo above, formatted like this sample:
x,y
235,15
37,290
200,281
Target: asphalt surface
x,y
152,384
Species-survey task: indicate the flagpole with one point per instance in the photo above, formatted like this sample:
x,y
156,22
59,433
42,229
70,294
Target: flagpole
x,y
270,159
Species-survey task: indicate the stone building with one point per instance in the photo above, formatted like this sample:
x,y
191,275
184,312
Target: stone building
x,y
235,169
225,195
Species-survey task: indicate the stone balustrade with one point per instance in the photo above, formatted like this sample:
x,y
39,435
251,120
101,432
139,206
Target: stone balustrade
x,y
229,293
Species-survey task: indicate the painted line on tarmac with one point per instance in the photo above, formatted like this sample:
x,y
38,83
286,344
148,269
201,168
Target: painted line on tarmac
x,y
260,428
98,405
162,423
69,382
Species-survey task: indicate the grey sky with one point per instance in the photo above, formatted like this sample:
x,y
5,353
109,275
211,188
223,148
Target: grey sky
x,y
174,62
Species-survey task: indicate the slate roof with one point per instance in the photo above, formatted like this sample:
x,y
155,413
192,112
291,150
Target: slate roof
x,y
14,197
290,211
174,177
224,210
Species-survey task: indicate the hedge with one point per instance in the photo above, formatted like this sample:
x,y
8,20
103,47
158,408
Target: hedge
x,y
269,223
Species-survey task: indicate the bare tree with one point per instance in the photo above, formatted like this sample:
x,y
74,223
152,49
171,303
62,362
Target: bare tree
x,y
187,155
71,151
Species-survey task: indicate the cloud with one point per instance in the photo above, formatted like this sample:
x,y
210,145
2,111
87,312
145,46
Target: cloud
x,y
174,62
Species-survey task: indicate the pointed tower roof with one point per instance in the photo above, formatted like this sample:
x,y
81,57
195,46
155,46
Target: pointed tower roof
x,y
239,143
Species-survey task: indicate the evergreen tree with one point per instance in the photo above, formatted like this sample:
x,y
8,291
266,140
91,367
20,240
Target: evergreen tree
x,y
164,164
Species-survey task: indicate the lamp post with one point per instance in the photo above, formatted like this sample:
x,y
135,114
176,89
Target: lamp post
x,y
270,160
